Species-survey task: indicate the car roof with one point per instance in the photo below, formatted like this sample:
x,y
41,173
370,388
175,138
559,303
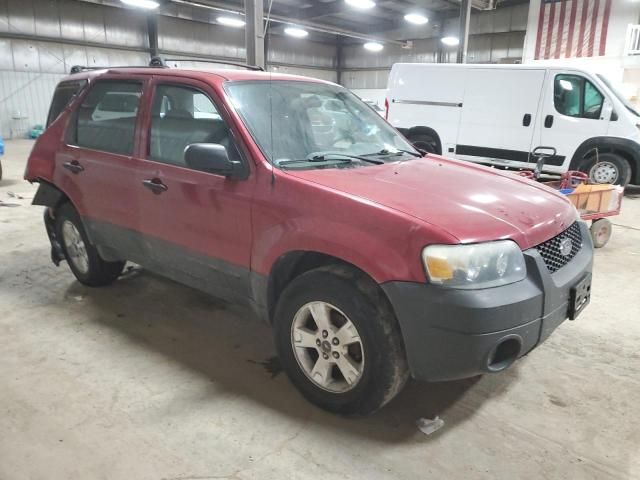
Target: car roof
x,y
219,75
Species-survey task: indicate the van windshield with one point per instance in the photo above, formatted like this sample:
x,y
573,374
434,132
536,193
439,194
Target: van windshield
x,y
618,95
312,125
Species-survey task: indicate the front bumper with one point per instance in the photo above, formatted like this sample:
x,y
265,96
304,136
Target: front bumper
x,y
451,334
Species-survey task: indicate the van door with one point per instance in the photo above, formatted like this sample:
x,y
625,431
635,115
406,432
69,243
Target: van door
x,y
574,109
499,115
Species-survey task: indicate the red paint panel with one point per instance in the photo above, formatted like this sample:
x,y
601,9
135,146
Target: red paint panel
x,y
594,22
540,28
605,28
563,7
552,15
583,23
572,24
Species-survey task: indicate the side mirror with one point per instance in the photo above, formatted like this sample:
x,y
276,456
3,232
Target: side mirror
x,y
211,158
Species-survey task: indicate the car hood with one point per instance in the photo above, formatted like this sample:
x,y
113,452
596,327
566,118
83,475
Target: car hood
x,y
471,202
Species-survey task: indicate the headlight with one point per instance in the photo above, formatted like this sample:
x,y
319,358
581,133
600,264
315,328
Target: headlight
x,y
480,265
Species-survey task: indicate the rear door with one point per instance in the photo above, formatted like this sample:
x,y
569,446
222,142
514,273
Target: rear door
x,y
499,115
96,166
574,110
196,225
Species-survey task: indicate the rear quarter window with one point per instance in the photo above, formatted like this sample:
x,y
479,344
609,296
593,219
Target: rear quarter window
x,y
106,118
65,91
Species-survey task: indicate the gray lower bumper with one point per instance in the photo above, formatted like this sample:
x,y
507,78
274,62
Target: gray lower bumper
x,y
451,334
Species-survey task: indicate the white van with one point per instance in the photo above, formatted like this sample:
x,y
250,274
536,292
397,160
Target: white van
x,y
498,114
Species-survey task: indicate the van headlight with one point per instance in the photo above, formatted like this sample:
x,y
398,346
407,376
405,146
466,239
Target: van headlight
x,y
480,265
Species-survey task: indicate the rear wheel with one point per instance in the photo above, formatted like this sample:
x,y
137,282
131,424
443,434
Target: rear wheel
x,y
425,142
339,341
607,168
83,258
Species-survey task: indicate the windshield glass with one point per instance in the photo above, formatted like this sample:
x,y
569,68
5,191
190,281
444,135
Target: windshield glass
x,y
618,95
313,125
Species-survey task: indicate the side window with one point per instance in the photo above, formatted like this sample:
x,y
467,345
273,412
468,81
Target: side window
x,y
106,119
181,116
65,91
576,96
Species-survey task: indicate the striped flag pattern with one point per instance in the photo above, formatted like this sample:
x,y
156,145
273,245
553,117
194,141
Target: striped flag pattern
x,y
572,28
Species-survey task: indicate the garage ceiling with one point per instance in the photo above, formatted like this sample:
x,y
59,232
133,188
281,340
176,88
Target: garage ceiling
x,y
385,20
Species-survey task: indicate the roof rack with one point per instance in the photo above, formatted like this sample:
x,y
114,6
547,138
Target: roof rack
x,y
159,62
163,62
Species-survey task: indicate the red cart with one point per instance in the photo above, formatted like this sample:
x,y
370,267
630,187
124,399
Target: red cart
x,y
594,202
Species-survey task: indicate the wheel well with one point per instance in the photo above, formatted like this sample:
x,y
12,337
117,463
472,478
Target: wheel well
x,y
48,195
293,264
610,149
413,131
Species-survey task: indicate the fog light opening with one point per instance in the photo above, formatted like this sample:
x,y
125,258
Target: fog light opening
x,y
504,354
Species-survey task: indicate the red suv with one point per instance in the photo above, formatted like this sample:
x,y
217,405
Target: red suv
x,y
371,261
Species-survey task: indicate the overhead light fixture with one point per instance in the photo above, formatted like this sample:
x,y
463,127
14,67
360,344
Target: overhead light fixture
x,y
296,32
146,4
416,19
231,21
450,41
373,46
363,4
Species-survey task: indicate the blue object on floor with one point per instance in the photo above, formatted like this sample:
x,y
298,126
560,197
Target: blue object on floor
x,y
566,191
1,146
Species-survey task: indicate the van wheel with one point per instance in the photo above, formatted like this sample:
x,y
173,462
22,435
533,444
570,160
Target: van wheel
x,y
83,258
425,142
607,168
339,341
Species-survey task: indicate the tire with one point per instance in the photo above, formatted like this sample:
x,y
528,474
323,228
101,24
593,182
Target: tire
x,y
425,142
0,170
375,362
601,230
607,168
83,258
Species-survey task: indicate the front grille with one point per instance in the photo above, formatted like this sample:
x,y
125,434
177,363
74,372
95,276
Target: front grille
x,y
551,249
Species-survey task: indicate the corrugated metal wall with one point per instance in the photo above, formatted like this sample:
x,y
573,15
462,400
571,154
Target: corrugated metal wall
x,y
40,40
494,37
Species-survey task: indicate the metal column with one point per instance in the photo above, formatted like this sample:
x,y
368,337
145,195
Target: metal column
x,y
152,31
254,32
465,16
339,59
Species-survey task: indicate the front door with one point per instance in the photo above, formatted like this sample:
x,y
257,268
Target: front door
x,y
499,113
196,225
573,110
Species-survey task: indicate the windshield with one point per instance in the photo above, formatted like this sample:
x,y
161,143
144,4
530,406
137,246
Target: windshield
x,y
618,95
313,125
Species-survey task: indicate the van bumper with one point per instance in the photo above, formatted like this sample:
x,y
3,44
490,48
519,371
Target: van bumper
x,y
451,334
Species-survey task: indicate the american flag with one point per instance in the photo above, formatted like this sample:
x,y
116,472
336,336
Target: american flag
x,y
572,28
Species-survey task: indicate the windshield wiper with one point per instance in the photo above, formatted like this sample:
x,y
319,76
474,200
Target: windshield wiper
x,y
389,153
325,157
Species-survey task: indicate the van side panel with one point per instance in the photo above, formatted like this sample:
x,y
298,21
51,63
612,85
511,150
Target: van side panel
x,y
421,95
499,114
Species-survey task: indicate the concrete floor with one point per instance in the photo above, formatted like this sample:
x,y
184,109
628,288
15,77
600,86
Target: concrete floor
x,y
151,380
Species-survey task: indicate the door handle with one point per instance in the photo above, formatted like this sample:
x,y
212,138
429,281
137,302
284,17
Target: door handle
x,y
548,121
526,120
155,185
73,166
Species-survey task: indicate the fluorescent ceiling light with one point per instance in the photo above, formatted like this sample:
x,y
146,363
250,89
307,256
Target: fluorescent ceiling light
x,y
147,4
364,4
451,41
296,32
231,21
416,18
373,46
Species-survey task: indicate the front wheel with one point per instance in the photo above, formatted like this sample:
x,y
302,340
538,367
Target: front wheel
x,y
339,341
83,258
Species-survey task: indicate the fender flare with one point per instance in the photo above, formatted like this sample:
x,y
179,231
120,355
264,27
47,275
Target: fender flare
x,y
629,149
